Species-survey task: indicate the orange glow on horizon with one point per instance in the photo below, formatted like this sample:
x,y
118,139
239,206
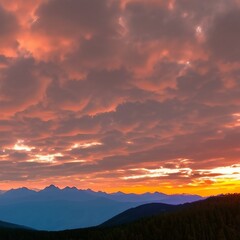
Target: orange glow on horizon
x,y
223,186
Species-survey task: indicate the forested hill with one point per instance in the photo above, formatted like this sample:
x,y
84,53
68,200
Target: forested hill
x,y
11,225
142,211
216,218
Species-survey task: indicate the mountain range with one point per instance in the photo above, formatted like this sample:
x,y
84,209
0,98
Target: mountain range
x,y
215,218
58,209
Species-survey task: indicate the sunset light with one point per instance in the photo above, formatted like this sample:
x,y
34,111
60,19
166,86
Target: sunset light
x,y
127,95
20,146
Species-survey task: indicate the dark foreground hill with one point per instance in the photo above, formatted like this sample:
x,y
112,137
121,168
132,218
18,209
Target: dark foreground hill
x,y
143,211
216,218
11,226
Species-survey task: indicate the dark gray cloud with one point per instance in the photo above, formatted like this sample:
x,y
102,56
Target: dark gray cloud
x,y
148,22
8,27
224,36
98,93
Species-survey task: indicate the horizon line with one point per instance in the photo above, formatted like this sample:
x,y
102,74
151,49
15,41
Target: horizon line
x,y
107,192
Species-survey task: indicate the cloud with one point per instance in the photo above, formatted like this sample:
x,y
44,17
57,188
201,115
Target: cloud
x,y
20,85
223,36
8,31
62,17
149,22
9,23
108,93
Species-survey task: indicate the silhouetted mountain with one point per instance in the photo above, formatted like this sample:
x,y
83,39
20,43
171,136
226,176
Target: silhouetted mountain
x,y
71,194
50,188
149,197
11,225
53,192
57,209
18,193
133,214
216,218
176,199
154,197
131,197
62,214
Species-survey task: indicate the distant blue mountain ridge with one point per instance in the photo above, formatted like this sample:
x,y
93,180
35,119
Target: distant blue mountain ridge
x,y
57,209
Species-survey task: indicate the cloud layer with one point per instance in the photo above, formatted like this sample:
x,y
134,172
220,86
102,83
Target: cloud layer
x,y
130,95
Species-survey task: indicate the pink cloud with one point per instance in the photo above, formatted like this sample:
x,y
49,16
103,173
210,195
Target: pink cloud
x,y
152,82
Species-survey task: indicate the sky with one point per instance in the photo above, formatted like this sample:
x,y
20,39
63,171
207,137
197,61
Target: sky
x,y
120,95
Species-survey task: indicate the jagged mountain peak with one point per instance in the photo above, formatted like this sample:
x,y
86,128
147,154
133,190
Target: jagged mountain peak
x,y
51,187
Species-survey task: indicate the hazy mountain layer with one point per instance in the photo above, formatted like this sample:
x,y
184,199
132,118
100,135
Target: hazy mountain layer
x,y
215,218
58,209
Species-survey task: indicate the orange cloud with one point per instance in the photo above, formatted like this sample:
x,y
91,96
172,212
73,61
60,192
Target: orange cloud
x,y
142,96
